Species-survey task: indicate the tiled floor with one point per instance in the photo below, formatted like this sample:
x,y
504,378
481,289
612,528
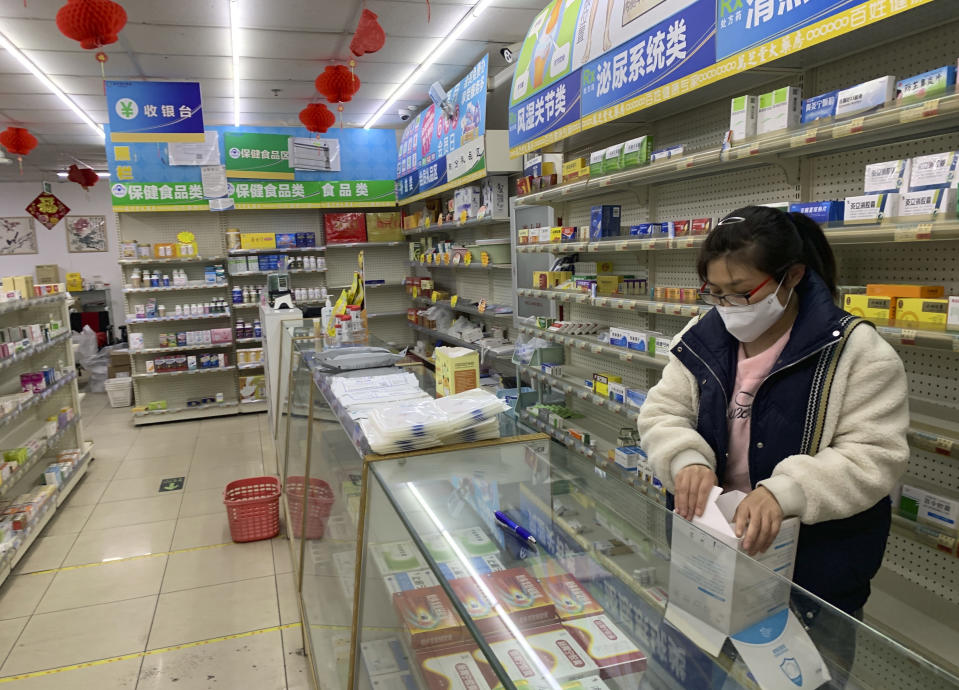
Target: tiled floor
x,y
157,570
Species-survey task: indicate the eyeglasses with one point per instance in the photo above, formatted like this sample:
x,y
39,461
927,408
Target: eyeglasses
x,y
733,300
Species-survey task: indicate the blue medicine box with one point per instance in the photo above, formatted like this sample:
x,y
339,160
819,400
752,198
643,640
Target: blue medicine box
x,y
642,230
821,211
604,222
819,107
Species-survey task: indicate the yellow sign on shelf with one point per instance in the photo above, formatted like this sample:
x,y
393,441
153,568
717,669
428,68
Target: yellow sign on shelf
x,y
453,300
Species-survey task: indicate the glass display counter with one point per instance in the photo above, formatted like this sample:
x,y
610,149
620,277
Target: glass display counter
x,y
407,577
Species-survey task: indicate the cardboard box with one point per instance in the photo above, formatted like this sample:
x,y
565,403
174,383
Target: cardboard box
x,y
617,392
931,84
495,197
414,579
886,290
870,208
819,107
666,154
608,646
47,273
701,226
451,669
25,285
878,309
518,592
628,457
636,151
823,212
383,657
428,618
933,171
709,580
928,204
384,227
257,240
474,542
865,97
563,659
952,321
478,606
569,597
742,117
779,109
607,285
457,370
344,228
887,177
919,312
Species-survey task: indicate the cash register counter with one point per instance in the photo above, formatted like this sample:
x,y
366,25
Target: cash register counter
x,y
405,578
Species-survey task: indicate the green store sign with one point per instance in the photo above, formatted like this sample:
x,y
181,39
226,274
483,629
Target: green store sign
x,y
261,156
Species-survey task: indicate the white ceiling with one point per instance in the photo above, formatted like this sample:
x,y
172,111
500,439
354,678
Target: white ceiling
x,y
284,45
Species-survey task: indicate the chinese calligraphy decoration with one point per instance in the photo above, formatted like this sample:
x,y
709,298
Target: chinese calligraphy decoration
x,y
47,209
19,142
85,177
94,23
316,117
369,36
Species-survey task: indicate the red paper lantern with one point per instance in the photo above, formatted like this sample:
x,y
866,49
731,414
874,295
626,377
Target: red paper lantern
x,y
338,84
94,23
369,36
18,141
316,117
85,177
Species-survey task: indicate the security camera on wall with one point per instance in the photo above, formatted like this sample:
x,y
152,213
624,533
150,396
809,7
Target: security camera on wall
x,y
404,114
441,99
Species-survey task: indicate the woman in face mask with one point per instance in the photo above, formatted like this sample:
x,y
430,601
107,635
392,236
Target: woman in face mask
x,y
781,394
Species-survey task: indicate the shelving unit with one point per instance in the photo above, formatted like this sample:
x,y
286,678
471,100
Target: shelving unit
x,y
26,425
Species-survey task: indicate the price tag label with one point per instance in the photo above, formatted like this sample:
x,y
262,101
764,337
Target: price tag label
x,y
907,336
605,182
580,299
688,243
581,345
626,356
684,164
594,247
484,258
923,231
468,258
453,300
622,246
931,108
434,296
481,307
686,310
844,129
595,349
807,137
582,395
601,402
944,445
616,407
675,309
652,308
603,302
564,191
912,114
652,244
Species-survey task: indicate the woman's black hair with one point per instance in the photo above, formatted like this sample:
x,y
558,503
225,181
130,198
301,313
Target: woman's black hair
x,y
772,241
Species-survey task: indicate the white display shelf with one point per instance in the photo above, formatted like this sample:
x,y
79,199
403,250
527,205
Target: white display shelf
x,y
187,372
916,337
278,250
360,245
252,406
240,274
185,413
384,314
247,341
175,411
473,310
77,475
37,456
923,534
38,398
180,348
935,435
885,125
475,266
246,305
296,271
572,386
594,346
173,260
626,303
452,340
35,530
35,350
196,285
252,365
166,319
454,225
19,304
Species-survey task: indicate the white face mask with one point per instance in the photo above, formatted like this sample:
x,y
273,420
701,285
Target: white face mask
x,y
748,322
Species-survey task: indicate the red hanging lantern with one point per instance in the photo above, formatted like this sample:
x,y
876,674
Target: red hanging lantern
x,y
85,177
337,83
369,36
18,141
93,23
316,117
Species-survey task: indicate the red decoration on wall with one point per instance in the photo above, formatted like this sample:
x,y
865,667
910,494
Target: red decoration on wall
x,y
18,141
369,36
85,177
316,117
93,23
47,209
337,83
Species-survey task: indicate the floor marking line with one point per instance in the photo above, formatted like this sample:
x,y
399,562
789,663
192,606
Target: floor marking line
x,y
149,652
128,558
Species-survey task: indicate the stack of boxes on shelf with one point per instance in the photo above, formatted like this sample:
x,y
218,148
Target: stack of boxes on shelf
x,y
918,307
184,362
20,338
23,287
25,512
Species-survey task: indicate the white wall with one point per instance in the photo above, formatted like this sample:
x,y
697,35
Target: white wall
x,y
52,244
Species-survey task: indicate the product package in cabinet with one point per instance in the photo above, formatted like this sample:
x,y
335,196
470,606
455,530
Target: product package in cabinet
x,y
569,597
451,669
428,617
414,579
384,656
394,681
396,557
474,542
481,564
522,597
607,645
562,658
478,606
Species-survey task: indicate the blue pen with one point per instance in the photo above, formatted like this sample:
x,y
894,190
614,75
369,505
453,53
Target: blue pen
x,y
518,530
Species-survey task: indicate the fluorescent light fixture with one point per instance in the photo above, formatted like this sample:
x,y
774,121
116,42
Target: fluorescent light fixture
x,y
104,174
434,55
46,81
235,46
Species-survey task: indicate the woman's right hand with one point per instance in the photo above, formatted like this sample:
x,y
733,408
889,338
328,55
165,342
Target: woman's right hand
x,y
692,490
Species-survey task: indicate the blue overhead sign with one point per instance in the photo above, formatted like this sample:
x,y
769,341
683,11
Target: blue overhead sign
x,y
145,111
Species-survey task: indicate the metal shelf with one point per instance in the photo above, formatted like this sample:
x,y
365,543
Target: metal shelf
x,y
249,273
34,350
253,365
247,341
452,340
38,398
455,225
823,136
627,303
185,413
252,406
37,455
628,412
463,267
177,288
186,372
468,308
304,270
19,304
180,348
643,359
383,314
278,250
77,475
352,245
165,319
917,337
174,260
247,305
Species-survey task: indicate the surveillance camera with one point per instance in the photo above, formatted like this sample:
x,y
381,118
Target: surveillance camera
x,y
404,114
507,55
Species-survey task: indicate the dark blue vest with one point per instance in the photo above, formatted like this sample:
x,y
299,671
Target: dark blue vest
x,y
835,559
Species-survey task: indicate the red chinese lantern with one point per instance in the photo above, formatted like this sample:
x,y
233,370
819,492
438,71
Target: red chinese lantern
x,y
18,141
93,23
338,83
369,36
85,177
316,117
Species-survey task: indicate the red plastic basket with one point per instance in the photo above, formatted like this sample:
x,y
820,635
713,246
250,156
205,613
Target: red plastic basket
x,y
253,508
319,503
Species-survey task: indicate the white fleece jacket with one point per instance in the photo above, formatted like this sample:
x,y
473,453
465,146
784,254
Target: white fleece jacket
x,y
863,452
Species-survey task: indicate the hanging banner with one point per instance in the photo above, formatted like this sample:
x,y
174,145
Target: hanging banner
x,y
547,52
741,24
154,111
258,156
435,146
554,112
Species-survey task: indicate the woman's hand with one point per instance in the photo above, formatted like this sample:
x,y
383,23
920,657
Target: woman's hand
x,y
692,490
759,517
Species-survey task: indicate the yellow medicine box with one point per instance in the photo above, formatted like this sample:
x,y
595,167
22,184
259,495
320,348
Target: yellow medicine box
x,y
878,309
601,383
917,312
556,234
257,240
574,169
607,285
